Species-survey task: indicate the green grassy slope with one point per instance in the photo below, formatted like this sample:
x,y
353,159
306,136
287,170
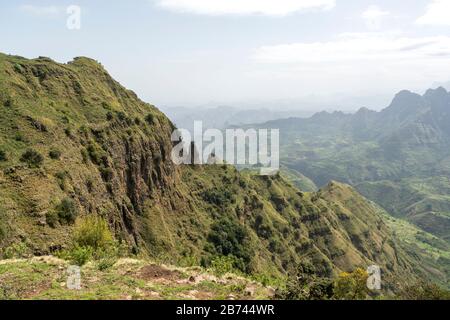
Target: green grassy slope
x,y
298,180
398,157
424,202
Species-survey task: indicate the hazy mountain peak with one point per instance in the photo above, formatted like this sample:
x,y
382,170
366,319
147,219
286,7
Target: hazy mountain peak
x,y
364,111
441,91
405,95
404,103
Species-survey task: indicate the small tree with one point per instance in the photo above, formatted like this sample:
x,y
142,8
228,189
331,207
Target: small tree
x,y
32,158
55,154
67,211
92,231
307,285
351,286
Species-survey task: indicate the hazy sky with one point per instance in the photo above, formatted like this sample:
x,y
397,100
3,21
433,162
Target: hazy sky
x,y
195,52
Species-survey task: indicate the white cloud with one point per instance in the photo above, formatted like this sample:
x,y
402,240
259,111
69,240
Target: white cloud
x,y
374,17
359,47
40,10
367,60
438,13
245,7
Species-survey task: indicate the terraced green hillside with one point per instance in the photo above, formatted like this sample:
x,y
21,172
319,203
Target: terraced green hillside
x,y
398,157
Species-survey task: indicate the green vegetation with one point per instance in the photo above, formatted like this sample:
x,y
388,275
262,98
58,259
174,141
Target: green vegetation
x,y
231,239
45,278
32,158
92,239
54,154
150,118
298,180
92,231
66,211
306,285
424,291
3,156
351,286
424,202
220,198
398,158
222,265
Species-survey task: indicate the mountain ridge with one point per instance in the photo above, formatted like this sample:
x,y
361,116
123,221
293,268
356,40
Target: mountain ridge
x,y
76,143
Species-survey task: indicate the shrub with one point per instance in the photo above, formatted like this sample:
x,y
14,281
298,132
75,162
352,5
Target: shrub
x,y
150,119
109,116
262,227
32,158
107,174
306,285
65,119
80,255
222,265
92,239
92,231
55,154
230,238
351,286
68,132
243,184
124,118
67,211
109,188
15,251
218,197
424,291
8,103
19,137
95,154
3,156
84,155
107,257
106,106
61,175
52,218
18,68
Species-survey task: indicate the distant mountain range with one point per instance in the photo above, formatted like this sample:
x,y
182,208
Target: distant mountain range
x,y
398,157
409,138
225,116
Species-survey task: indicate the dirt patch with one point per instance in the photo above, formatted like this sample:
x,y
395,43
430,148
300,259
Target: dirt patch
x,y
154,272
36,290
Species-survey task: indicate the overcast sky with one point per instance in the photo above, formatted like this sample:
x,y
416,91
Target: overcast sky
x,y
238,52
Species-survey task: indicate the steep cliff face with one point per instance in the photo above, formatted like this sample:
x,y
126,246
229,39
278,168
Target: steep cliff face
x,y
75,142
114,149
